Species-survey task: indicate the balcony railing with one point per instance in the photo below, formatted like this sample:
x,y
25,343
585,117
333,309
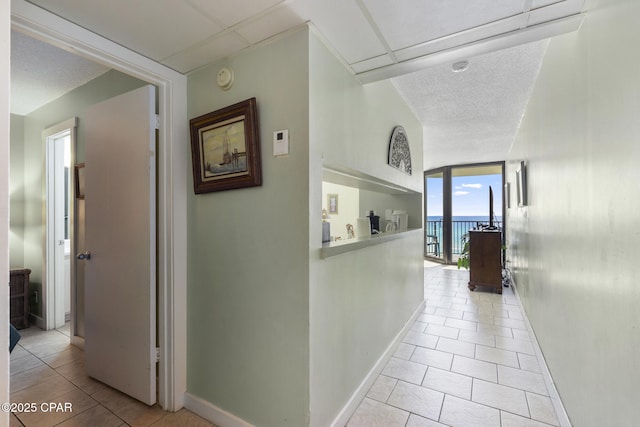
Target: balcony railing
x,y
433,235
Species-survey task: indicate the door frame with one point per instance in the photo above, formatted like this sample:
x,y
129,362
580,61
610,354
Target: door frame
x,y
173,159
51,295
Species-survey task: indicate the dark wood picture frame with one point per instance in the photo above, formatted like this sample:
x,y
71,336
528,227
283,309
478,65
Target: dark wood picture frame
x,y
225,145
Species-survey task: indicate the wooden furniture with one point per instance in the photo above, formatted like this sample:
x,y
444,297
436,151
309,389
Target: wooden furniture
x,y
19,298
485,268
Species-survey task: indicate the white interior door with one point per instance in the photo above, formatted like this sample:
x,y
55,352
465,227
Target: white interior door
x,y
120,233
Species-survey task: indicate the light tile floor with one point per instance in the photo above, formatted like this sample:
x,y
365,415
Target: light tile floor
x,y
467,361
46,368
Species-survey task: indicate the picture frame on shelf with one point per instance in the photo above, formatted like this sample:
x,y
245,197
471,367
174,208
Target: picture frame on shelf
x,y
332,204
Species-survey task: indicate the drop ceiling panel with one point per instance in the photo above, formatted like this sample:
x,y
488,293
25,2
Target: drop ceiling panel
x,y
276,22
371,64
230,13
202,54
418,21
155,28
344,26
555,11
464,37
541,3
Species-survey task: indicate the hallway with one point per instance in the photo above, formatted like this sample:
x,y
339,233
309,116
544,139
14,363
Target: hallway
x,y
45,368
467,361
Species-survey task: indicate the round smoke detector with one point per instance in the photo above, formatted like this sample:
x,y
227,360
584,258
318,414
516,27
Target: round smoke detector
x,y
460,66
225,78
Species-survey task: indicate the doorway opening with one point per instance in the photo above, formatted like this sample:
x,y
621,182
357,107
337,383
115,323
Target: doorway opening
x,y
171,179
59,143
458,199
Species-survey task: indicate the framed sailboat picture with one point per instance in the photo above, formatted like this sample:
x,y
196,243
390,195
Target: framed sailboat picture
x,y
225,147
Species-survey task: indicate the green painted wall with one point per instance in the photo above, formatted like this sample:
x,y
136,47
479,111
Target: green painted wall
x,y
574,249
278,337
16,192
360,300
27,137
248,294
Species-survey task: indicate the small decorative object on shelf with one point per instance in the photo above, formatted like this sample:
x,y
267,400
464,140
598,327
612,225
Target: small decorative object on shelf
x,y
326,227
399,151
375,222
351,233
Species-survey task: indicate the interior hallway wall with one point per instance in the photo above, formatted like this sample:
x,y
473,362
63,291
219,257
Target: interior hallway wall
x,y
359,300
574,248
248,293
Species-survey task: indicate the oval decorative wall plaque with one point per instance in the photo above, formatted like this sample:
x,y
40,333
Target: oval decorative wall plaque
x,y
399,151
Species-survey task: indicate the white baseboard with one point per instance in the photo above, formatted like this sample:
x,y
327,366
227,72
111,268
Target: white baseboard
x,y
36,320
362,390
212,413
561,413
223,418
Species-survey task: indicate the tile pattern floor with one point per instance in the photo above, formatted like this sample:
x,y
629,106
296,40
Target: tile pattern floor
x,y
46,368
467,361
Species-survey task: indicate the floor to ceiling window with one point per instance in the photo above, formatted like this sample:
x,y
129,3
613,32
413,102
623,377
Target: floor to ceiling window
x,y
459,199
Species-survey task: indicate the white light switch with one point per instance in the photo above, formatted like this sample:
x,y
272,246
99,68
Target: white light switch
x,y
281,143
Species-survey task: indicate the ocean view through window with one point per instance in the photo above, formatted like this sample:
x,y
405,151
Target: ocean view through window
x,y
456,201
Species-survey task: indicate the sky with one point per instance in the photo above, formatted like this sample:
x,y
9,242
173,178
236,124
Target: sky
x,y
470,195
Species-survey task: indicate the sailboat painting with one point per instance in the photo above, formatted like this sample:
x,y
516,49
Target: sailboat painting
x,y
224,151
226,148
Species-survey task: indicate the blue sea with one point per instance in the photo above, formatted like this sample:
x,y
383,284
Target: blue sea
x,y
461,225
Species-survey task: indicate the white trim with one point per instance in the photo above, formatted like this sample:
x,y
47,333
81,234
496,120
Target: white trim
x,y
212,413
173,162
5,72
366,384
36,320
78,342
49,296
561,413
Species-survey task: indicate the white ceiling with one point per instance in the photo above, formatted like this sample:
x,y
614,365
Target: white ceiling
x,y
415,41
41,73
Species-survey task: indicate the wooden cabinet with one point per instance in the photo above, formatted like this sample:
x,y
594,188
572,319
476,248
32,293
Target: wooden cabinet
x,y
485,253
19,307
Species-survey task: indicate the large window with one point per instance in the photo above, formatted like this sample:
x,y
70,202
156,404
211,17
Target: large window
x,y
458,199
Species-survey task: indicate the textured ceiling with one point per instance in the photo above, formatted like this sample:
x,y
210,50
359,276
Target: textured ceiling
x,y
471,116
41,73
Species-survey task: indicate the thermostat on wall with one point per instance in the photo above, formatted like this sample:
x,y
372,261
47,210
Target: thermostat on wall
x,y
281,143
